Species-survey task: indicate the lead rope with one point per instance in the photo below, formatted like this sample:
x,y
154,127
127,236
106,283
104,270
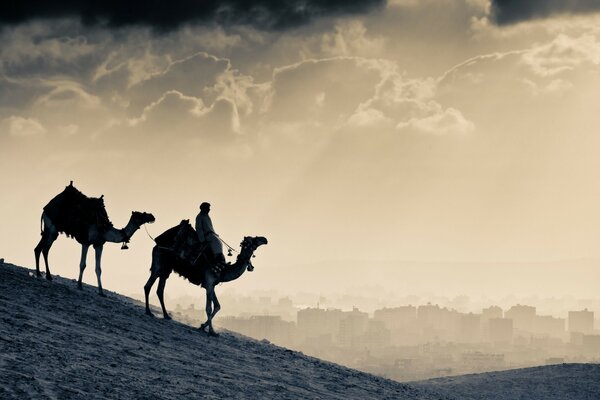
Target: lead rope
x,y
147,233
229,248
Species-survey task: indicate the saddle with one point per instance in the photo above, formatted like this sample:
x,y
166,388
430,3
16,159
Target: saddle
x,y
183,242
73,213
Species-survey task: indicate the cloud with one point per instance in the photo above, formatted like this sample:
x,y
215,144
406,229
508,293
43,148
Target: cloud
x,y
323,90
261,14
445,122
564,53
189,76
23,127
513,11
350,38
175,114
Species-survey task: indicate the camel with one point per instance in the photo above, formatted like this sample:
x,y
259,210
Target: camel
x,y
85,219
169,255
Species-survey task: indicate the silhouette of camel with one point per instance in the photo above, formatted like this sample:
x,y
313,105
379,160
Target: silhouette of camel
x,y
85,219
166,257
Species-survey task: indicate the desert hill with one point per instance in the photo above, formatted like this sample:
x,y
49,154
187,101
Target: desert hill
x,y
552,382
57,342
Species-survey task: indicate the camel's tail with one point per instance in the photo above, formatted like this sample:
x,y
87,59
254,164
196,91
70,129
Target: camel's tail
x,y
42,224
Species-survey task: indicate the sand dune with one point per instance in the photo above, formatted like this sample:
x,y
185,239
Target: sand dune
x,y
58,342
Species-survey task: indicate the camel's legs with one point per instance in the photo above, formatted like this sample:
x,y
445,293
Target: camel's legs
x,y
84,251
48,237
98,249
160,292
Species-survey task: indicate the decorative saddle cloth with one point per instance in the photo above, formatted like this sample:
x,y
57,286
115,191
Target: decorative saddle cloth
x,y
72,212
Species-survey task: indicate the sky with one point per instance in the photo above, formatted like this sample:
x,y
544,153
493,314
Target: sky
x,y
363,139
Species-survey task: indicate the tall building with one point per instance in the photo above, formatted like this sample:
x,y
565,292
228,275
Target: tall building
x,y
397,318
352,326
522,316
581,321
491,312
402,324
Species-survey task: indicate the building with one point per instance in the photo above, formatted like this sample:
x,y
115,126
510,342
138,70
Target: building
x,y
581,321
522,316
401,322
353,325
376,335
469,330
318,323
500,330
397,318
491,312
547,325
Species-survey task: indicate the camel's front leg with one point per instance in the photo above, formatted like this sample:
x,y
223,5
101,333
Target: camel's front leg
x,y
84,251
98,249
212,307
209,291
216,306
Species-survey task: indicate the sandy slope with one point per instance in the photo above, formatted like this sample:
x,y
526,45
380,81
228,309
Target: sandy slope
x,y
58,342
554,382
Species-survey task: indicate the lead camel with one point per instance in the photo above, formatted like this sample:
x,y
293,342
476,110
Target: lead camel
x,y
85,219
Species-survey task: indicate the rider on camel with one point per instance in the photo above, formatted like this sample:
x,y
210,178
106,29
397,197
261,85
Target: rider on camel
x,y
206,233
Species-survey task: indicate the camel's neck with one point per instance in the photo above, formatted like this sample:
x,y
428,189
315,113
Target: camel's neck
x,y
122,235
237,269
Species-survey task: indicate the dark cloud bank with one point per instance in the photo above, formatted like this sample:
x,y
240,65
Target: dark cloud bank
x,y
512,11
165,15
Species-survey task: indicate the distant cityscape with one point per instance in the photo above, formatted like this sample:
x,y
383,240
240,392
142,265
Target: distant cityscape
x,y
409,342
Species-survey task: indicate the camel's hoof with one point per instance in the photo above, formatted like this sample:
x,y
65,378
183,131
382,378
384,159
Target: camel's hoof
x,y
213,333
202,327
149,313
101,294
167,317
38,274
79,286
48,277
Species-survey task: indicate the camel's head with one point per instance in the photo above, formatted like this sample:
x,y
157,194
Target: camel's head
x,y
249,245
141,218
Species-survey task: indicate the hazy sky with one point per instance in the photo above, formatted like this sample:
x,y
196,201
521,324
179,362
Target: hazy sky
x,y
351,134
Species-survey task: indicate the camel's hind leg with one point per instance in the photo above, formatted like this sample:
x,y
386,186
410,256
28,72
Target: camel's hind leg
x,y
84,251
147,288
155,272
49,235
160,292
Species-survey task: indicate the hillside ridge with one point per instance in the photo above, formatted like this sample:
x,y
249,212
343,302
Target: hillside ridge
x,y
59,342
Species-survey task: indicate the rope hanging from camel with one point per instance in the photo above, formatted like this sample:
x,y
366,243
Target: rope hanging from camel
x,y
151,238
229,248
147,233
